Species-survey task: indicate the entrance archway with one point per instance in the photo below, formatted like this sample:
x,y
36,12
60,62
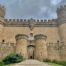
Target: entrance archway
x,y
31,49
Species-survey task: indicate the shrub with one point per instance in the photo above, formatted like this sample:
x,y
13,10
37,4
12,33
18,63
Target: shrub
x,y
54,61
13,58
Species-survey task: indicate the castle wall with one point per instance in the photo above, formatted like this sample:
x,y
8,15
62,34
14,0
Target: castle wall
x,y
6,49
63,32
53,51
9,33
62,29
50,32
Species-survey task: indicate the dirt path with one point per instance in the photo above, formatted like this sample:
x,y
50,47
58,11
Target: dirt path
x,y
31,63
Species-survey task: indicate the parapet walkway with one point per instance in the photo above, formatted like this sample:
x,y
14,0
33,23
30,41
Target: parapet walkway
x,y
31,63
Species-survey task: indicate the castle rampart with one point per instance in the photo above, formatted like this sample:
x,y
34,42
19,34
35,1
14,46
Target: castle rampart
x,y
24,22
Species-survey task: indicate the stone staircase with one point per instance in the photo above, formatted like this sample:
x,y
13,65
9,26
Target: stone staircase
x,y
31,63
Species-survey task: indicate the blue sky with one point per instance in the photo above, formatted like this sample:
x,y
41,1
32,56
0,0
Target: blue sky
x,y
38,9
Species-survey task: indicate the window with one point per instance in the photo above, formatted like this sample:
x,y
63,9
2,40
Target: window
x,y
3,40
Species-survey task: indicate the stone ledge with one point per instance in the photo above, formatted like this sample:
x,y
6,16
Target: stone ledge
x,y
40,36
21,36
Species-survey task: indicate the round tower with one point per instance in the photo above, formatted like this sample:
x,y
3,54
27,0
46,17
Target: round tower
x,y
2,11
21,45
61,13
2,15
40,47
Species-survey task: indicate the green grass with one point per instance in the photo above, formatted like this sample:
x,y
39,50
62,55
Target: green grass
x,y
4,65
7,65
53,64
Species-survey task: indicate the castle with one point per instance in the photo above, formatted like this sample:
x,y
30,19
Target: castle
x,y
34,39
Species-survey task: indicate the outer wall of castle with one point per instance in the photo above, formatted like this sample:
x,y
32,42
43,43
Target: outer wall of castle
x,y
41,45
33,39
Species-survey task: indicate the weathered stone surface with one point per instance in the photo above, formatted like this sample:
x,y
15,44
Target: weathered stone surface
x,y
21,45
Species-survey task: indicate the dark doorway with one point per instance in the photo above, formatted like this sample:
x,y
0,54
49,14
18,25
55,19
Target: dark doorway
x,y
31,57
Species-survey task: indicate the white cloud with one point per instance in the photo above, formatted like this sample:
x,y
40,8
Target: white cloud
x,y
55,2
43,9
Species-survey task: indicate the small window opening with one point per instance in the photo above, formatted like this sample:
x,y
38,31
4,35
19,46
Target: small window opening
x,y
3,40
57,41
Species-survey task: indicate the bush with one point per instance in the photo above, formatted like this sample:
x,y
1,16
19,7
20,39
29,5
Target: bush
x,y
13,58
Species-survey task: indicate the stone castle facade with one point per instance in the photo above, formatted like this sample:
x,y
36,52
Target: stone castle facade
x,y
34,39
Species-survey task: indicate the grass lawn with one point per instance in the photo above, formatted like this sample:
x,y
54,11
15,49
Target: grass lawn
x,y
53,64
8,65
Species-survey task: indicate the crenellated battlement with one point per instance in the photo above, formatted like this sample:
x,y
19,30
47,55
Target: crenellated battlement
x,y
2,7
61,13
29,22
61,8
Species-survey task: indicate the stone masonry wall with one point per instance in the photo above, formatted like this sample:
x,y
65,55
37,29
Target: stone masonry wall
x,y
6,49
53,51
40,47
21,45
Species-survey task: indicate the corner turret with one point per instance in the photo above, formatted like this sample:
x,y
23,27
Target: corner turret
x,y
61,13
2,11
2,14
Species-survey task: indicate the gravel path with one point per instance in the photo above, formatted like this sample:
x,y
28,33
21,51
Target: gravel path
x,y
31,63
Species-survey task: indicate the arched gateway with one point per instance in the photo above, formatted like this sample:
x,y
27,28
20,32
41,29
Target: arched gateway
x,y
31,49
